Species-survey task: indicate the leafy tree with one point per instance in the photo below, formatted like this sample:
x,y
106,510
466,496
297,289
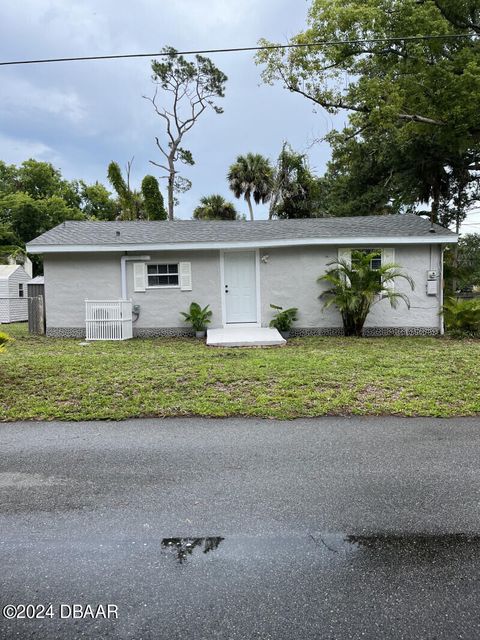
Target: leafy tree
x,y
359,179
7,235
251,176
153,199
8,178
24,215
193,87
215,207
416,99
28,217
295,189
96,201
462,264
42,180
10,244
355,288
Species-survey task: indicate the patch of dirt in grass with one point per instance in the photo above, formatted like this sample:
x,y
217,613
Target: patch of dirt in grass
x,y
232,386
373,394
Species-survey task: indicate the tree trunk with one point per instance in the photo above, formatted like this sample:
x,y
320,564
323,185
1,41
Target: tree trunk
x,y
171,179
348,325
353,326
435,205
359,328
249,202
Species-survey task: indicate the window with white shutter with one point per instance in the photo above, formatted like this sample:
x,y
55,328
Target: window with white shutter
x,y
162,275
388,257
139,276
381,257
345,255
185,269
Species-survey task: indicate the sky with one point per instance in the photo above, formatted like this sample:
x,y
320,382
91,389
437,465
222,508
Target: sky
x,y
82,115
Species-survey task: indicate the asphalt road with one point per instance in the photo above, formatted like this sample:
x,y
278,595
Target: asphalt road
x,y
229,529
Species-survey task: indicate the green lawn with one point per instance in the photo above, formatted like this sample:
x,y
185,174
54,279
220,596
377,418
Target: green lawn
x,y
49,378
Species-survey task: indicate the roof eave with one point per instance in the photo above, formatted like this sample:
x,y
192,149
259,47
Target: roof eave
x,y
434,238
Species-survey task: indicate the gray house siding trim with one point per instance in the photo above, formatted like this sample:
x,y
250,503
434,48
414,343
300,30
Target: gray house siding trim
x,y
288,277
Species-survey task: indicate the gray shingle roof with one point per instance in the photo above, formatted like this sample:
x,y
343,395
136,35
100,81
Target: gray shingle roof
x,y
73,233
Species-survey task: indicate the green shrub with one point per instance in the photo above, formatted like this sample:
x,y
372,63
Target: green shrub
x,y
4,338
462,317
198,317
355,288
284,318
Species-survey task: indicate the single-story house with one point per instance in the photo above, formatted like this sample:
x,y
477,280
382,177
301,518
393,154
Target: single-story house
x,y
238,268
23,260
13,293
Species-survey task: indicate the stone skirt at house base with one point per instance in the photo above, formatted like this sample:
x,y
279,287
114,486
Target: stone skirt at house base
x,y
368,332
165,332
178,332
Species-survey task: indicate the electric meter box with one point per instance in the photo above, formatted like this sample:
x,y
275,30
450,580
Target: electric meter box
x,y
432,275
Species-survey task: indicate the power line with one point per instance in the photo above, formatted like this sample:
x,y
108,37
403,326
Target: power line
x,y
319,43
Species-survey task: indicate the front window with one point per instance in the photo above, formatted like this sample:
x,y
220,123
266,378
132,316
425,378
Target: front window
x,y
375,262
20,290
162,275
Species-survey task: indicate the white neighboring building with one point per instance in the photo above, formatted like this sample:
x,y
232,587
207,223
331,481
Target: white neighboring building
x,y
22,260
13,293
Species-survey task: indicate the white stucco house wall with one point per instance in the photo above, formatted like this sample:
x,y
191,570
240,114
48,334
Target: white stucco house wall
x,y
237,267
13,293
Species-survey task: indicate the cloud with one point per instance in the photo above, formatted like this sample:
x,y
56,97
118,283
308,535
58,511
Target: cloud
x,y
16,150
82,115
25,99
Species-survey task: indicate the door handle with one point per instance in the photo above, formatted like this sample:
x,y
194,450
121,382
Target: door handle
x,y
226,288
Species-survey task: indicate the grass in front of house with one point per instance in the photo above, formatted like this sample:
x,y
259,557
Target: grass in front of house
x,y
51,378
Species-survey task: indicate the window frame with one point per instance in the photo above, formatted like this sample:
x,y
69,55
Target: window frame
x,y
368,250
21,290
163,286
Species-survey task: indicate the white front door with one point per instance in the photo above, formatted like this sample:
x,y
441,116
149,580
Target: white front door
x,y
240,292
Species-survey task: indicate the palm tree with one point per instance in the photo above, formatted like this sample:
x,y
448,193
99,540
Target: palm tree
x,y
356,287
251,176
215,207
129,200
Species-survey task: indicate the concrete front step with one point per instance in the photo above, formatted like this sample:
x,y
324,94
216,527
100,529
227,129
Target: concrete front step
x,y
244,337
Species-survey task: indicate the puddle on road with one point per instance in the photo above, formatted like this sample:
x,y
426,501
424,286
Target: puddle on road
x,y
327,545
181,548
419,541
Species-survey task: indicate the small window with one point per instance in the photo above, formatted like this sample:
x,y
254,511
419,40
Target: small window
x,y
20,290
375,262
162,275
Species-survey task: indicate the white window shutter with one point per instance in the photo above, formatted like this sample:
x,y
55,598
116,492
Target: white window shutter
x,y
185,269
388,257
139,276
345,255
